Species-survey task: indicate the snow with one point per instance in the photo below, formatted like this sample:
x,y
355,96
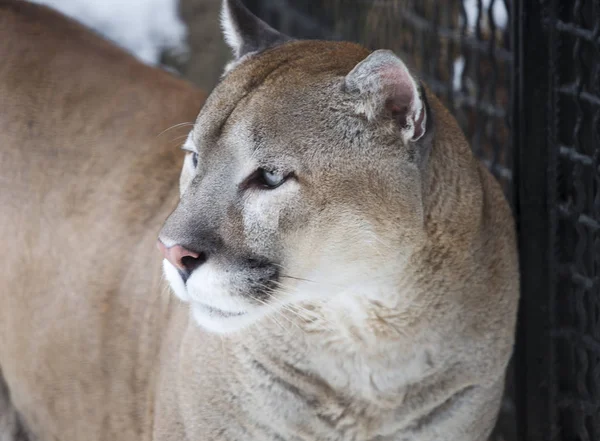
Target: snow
x,y
500,17
145,28
499,12
459,67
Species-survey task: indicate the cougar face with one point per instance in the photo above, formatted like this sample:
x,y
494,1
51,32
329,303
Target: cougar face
x,y
296,185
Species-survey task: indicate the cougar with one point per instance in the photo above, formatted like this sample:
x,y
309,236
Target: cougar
x,y
343,268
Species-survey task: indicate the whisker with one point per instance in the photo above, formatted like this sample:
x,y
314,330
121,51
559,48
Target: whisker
x,y
270,316
178,138
302,312
277,302
175,126
297,278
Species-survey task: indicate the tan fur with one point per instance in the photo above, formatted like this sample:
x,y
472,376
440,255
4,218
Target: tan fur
x,y
409,266
85,184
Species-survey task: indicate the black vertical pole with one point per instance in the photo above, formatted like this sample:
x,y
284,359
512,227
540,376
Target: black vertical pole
x,y
534,195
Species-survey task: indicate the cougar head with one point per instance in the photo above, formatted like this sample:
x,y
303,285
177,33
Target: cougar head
x,y
302,179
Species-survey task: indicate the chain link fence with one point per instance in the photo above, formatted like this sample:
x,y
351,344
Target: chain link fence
x,y
558,175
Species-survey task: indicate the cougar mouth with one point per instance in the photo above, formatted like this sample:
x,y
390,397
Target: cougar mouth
x,y
184,275
219,312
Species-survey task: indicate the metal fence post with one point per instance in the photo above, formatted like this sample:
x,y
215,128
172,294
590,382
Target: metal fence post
x,y
534,198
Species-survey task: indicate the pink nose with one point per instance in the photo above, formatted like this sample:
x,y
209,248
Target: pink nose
x,y
180,257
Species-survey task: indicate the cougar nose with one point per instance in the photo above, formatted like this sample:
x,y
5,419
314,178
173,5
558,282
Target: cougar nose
x,y
181,258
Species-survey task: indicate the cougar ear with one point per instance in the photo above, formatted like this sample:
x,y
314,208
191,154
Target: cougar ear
x,y
244,32
385,87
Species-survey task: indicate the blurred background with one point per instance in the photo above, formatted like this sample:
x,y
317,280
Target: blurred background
x,y
182,36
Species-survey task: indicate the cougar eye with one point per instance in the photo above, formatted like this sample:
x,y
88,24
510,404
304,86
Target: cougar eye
x,y
267,179
272,179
